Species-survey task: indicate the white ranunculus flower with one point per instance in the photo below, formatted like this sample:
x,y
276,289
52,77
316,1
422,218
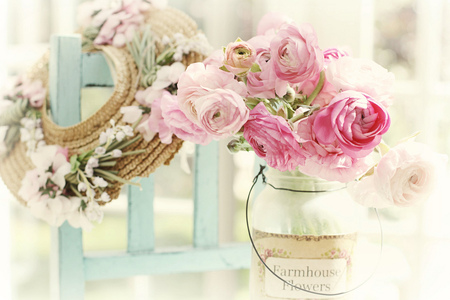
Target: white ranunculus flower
x,y
406,175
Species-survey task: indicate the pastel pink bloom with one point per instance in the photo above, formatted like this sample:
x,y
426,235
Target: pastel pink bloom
x,y
120,25
33,91
200,80
270,23
327,161
215,59
296,53
355,120
64,152
221,113
156,121
264,84
325,96
239,57
180,125
362,75
332,54
144,129
147,96
405,176
273,140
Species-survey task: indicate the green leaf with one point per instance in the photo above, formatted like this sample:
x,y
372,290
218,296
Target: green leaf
x,y
255,68
74,163
223,68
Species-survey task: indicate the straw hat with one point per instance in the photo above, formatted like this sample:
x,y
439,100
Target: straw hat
x,y
84,136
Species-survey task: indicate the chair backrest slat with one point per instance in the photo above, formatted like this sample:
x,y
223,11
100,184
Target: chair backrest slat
x,y
206,195
64,85
141,236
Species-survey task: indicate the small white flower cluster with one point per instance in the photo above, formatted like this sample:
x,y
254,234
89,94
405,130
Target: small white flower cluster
x,y
32,134
183,45
118,132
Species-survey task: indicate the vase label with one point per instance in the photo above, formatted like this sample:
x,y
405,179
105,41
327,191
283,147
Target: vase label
x,y
319,276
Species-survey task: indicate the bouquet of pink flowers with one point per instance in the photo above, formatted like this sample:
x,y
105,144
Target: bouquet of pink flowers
x,y
297,106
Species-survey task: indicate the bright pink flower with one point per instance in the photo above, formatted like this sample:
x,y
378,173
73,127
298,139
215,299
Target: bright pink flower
x,y
327,161
221,113
270,23
273,140
179,124
296,53
239,57
200,80
355,121
362,75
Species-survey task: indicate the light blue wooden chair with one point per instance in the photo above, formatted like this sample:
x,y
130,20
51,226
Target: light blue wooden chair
x,y
69,71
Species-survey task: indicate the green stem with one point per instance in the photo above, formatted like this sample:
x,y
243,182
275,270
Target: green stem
x,y
317,90
113,177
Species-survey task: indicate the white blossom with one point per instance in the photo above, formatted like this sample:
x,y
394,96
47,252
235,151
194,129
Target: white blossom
x,y
117,153
105,197
100,182
82,187
100,150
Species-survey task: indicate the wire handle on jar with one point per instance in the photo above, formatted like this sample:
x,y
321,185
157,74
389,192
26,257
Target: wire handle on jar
x,y
264,181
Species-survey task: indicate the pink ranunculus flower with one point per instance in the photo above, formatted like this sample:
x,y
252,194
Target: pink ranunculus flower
x,y
265,84
179,124
405,176
327,161
332,54
355,120
215,59
199,80
296,53
156,122
326,94
273,140
239,57
271,22
362,75
221,113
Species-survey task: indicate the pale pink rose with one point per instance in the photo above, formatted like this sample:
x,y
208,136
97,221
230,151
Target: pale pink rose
x,y
332,54
261,43
355,121
328,162
239,57
215,59
221,113
271,22
405,176
296,53
180,125
156,122
273,140
362,75
199,80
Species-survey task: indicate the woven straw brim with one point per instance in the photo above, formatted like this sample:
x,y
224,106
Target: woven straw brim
x,y
84,136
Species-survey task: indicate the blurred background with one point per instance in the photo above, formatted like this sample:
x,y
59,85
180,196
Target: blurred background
x,y
411,38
